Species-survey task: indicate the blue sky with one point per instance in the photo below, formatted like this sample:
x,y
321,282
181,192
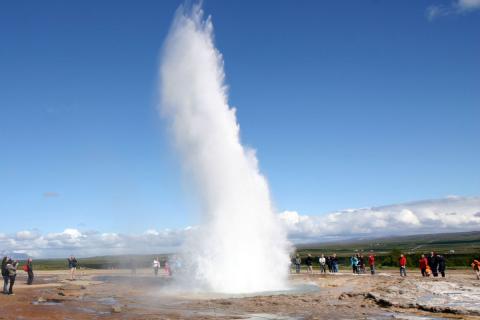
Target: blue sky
x,y
348,103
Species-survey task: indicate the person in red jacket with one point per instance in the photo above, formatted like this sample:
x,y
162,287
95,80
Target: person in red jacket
x,y
371,262
403,265
476,267
423,263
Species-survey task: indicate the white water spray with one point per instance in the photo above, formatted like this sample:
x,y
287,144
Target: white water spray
x,y
240,246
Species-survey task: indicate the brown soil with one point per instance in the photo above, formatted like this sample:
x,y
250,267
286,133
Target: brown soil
x,y
116,294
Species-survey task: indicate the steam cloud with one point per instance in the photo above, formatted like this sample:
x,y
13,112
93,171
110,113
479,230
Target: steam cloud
x,y
241,245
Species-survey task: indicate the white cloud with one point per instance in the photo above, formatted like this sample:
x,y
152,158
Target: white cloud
x,y
450,214
89,243
467,5
455,7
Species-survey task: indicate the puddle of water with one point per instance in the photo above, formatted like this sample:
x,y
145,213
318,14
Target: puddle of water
x,y
176,292
400,316
267,316
46,303
86,310
294,289
109,301
92,311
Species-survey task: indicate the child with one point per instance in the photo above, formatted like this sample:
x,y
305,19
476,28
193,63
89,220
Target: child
x,y
428,271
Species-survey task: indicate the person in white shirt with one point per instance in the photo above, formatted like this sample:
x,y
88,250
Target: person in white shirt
x,y
156,266
322,262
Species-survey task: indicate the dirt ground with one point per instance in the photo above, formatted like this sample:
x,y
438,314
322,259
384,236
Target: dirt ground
x,y
117,294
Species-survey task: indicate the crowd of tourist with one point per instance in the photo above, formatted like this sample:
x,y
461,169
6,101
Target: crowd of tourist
x,y
433,264
326,262
175,265
9,273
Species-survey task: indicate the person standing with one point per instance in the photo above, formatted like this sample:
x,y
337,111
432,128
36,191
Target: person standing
x,y
322,261
328,261
309,262
5,276
298,263
72,265
361,264
156,266
334,263
433,263
441,264
403,265
371,262
354,263
166,266
476,267
12,274
423,264
29,270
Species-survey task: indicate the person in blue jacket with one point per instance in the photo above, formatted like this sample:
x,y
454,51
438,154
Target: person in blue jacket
x,y
354,263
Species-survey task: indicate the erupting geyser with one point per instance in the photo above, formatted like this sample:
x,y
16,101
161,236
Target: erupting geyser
x,y
240,246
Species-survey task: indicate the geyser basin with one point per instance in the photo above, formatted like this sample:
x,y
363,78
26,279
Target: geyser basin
x,y
240,246
192,294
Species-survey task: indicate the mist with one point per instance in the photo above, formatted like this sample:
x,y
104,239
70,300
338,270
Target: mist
x,y
240,245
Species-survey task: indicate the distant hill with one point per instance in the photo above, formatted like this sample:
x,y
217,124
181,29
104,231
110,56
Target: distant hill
x,y
459,243
13,255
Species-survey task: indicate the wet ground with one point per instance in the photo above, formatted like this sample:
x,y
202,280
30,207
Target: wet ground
x,y
117,294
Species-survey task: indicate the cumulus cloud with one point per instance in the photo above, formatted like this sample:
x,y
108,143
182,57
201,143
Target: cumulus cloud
x,y
455,7
89,243
450,214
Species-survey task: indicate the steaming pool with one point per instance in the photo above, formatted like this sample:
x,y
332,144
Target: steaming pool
x,y
165,287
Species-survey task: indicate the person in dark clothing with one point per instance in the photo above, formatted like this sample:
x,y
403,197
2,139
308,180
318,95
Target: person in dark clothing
x,y
72,265
334,261
29,267
441,264
309,263
361,264
328,261
12,274
5,276
433,263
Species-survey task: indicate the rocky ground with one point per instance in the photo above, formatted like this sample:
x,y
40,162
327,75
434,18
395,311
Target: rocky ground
x,y
116,294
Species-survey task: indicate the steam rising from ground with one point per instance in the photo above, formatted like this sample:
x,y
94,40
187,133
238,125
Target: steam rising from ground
x,y
240,246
